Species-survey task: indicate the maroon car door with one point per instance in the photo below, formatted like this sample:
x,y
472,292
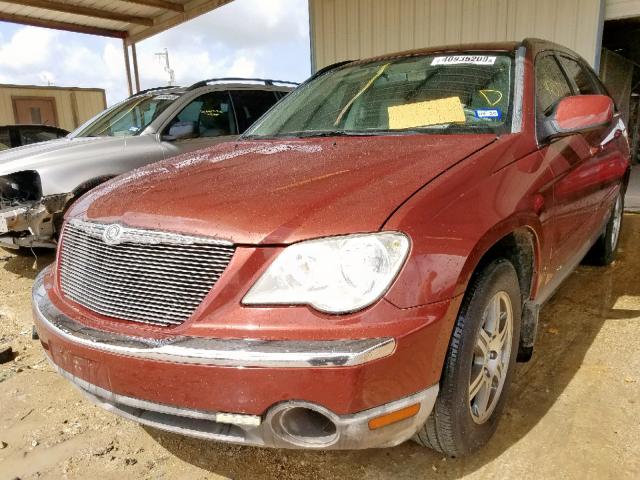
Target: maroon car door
x,y
600,177
576,160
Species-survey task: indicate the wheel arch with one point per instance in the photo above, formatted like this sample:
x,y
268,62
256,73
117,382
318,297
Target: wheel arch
x,y
516,239
519,247
518,242
90,184
76,193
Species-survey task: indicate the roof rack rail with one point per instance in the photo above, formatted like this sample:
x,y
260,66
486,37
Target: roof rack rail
x,y
153,89
266,81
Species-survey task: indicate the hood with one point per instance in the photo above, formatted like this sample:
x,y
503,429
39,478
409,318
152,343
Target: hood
x,y
279,192
38,155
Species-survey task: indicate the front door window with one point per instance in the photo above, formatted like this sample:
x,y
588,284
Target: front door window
x,y
211,114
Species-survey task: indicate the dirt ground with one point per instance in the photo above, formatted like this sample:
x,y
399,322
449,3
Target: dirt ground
x,y
573,411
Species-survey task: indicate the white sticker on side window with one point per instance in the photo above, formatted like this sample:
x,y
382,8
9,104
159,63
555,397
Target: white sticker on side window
x,y
464,59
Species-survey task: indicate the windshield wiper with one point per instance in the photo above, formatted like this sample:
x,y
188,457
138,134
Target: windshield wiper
x,y
335,133
258,137
435,128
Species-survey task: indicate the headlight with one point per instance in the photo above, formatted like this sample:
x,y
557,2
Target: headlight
x,y
334,275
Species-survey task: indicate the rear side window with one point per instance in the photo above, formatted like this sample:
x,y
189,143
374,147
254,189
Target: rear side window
x,y
551,84
579,76
250,105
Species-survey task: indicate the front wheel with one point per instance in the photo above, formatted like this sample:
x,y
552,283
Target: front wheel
x,y
479,364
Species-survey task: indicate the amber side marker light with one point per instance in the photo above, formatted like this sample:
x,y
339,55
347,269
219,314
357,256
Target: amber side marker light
x,y
394,417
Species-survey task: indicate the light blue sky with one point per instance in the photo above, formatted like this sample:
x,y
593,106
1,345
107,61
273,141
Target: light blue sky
x,y
244,38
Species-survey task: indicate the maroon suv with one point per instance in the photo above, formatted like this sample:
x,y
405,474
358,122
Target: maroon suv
x,y
364,266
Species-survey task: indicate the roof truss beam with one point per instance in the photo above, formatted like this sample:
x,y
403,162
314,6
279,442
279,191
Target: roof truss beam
x,y
84,11
176,7
69,27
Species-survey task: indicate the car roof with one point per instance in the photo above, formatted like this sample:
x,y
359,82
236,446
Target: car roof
x,y
469,47
535,44
222,84
268,82
32,125
160,91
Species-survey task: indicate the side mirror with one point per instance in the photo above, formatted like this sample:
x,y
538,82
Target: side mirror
x,y
579,113
181,131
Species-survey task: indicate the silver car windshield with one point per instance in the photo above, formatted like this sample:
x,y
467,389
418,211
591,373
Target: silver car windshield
x,y
128,118
447,93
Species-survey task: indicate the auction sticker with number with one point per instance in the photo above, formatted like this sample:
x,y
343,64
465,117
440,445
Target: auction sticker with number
x,y
464,60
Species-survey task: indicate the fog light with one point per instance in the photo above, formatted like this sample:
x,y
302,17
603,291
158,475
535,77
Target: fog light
x,y
394,417
305,426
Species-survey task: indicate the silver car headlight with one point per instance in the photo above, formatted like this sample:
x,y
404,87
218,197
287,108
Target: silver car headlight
x,y
333,275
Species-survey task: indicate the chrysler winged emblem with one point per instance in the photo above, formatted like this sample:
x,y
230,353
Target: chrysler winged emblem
x,y
112,234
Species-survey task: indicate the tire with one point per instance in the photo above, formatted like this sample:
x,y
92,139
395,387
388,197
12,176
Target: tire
x,y
58,219
603,252
452,428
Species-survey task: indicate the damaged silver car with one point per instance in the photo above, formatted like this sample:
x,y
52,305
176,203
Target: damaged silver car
x,y
39,182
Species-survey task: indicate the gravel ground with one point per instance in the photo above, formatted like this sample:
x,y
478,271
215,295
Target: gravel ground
x,y
573,411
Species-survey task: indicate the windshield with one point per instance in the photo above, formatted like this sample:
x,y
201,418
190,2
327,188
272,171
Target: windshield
x,y
128,118
438,93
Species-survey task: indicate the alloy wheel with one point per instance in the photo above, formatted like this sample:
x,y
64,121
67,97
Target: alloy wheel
x,y
491,355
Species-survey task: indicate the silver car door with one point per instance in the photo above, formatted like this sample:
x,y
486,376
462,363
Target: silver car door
x,y
138,151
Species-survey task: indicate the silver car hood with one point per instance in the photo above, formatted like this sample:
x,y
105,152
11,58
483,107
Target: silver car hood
x,y
67,163
37,155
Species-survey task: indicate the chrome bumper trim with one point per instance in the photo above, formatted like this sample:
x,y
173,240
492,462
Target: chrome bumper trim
x,y
210,351
352,431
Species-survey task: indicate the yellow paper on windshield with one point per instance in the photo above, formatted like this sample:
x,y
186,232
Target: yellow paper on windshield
x,y
423,114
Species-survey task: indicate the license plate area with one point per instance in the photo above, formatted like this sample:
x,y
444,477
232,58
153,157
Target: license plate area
x,y
78,366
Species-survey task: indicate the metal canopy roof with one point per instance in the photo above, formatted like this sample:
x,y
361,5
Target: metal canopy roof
x,y
130,20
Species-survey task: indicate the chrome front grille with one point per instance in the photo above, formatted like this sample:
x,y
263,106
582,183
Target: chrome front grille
x,y
139,275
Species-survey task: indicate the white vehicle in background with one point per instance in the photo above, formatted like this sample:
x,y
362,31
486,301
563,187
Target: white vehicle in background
x,y
38,182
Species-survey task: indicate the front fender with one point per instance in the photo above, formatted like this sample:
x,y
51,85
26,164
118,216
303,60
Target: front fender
x,y
456,219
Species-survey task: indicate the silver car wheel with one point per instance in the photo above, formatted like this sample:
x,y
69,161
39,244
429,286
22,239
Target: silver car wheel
x,y
491,355
617,222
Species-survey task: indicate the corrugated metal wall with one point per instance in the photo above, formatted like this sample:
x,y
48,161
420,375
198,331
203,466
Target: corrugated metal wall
x,y
70,112
617,9
349,29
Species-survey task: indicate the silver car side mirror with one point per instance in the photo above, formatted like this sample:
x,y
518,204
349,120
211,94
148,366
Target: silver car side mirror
x,y
181,130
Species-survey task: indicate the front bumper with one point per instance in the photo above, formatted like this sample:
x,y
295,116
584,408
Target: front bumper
x,y
286,369
352,431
